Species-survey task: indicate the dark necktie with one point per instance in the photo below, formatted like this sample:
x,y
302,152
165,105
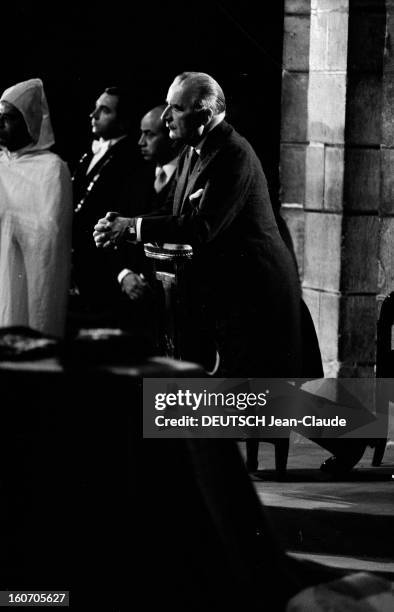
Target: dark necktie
x,y
192,160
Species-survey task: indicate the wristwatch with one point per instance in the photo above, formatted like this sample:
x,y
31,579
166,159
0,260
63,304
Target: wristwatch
x,y
131,233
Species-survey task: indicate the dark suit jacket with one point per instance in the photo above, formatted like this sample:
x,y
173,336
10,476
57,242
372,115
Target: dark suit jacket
x,y
243,276
117,183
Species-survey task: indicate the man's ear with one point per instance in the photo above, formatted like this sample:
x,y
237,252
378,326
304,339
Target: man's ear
x,y
203,116
206,116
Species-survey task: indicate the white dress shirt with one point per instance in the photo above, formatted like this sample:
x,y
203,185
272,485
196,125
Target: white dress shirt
x,y
100,147
168,170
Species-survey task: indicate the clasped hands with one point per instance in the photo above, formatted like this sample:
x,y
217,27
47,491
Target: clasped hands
x,y
112,230
135,286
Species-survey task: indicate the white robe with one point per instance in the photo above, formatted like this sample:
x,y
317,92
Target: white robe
x,y
35,239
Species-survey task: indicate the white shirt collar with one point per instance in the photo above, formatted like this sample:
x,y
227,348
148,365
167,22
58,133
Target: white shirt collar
x,y
99,148
101,145
169,168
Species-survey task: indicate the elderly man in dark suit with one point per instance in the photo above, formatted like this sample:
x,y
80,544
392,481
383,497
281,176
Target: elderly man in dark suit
x,y
244,279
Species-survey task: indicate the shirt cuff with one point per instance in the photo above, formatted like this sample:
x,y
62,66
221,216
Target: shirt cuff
x,y
122,274
138,223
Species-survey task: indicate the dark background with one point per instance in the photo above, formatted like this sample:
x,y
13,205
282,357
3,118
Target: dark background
x,y
78,49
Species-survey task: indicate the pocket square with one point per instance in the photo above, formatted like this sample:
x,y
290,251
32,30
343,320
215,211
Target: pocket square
x,y
196,194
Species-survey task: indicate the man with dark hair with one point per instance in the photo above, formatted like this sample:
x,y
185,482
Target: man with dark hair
x,y
107,173
124,103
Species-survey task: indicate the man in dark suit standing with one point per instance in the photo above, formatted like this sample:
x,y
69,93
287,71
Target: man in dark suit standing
x,y
244,280
107,173
156,182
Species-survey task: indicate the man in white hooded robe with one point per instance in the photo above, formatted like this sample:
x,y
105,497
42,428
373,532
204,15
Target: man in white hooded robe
x,y
35,214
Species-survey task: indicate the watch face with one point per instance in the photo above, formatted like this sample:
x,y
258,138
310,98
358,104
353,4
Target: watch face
x,y
132,233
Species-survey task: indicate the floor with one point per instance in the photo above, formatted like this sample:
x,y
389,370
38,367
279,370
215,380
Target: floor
x,y
346,523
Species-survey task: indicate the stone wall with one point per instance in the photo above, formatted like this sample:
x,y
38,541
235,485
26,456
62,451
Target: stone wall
x,y
294,124
337,144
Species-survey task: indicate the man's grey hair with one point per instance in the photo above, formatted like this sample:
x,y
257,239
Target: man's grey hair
x,y
208,93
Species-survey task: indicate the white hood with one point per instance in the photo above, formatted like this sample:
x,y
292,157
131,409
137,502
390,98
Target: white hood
x,y
29,98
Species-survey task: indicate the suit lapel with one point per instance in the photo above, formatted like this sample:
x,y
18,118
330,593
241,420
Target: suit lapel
x,y
181,184
84,183
201,164
187,184
83,163
191,180
99,165
102,162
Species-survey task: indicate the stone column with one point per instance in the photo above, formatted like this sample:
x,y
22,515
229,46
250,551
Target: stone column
x,y
342,189
386,211
294,120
